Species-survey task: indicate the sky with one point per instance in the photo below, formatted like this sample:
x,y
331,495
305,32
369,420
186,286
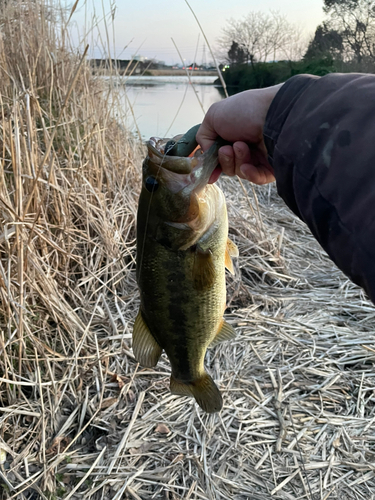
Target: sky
x,y
146,27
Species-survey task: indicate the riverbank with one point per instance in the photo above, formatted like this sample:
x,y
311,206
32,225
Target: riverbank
x,y
155,72
178,72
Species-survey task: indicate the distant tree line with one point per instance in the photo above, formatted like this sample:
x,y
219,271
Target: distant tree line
x,y
266,49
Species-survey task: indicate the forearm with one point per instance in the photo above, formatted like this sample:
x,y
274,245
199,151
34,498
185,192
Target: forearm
x,y
319,135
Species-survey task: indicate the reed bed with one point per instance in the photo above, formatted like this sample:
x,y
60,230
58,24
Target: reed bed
x,y
79,418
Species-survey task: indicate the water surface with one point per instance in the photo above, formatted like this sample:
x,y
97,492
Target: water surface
x,y
167,106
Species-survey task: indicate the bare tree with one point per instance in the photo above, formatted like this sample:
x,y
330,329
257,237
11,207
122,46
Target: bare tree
x,y
263,36
355,21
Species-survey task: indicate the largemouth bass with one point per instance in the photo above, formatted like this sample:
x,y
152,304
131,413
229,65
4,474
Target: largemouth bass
x,y
182,252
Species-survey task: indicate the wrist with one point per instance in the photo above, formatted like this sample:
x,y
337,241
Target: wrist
x,y
266,96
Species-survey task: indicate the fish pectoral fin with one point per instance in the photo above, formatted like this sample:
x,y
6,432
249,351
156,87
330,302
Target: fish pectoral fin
x,y
203,269
204,390
145,348
228,262
226,332
231,250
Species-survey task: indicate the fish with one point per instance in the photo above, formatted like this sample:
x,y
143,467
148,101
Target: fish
x,y
182,251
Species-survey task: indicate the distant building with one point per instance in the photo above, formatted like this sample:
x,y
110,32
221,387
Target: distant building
x,y
137,57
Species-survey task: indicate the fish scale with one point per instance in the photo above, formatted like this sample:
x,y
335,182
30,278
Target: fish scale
x,y
175,308
182,251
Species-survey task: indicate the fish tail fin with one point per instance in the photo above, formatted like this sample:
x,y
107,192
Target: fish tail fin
x,y
204,390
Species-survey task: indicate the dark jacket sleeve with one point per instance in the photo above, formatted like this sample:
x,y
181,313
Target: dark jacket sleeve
x,y
320,136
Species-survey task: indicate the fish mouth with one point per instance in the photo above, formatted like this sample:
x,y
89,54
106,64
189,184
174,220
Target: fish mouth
x,y
194,170
177,164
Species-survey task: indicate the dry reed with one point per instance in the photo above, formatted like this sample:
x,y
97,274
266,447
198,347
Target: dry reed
x,y
79,419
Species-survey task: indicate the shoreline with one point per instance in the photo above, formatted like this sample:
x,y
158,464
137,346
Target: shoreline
x,y
158,72
177,72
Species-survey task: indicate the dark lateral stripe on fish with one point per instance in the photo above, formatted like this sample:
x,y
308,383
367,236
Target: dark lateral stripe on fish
x,y
178,319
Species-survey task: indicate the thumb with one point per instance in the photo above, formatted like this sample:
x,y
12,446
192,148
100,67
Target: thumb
x,y
206,135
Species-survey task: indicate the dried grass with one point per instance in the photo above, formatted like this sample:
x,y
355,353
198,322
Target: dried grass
x,y
79,419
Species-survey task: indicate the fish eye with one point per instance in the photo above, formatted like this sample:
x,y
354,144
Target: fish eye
x,y
151,184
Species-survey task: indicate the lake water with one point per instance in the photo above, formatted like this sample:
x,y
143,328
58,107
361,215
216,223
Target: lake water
x,y
167,106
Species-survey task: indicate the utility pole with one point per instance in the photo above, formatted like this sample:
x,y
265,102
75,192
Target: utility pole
x,y
204,62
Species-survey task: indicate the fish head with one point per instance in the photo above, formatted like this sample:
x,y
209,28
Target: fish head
x,y
173,185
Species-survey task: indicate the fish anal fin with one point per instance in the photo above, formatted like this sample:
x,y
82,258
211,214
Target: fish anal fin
x,y
180,388
145,348
203,269
231,250
204,390
226,332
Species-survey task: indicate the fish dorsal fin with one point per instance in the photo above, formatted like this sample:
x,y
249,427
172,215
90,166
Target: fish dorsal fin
x,y
203,269
145,348
226,332
231,250
204,390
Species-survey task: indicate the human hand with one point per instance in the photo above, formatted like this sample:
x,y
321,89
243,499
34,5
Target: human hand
x,y
240,119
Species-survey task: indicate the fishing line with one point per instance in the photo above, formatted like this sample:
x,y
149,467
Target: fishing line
x,y
186,88
148,214
178,111
188,75
152,193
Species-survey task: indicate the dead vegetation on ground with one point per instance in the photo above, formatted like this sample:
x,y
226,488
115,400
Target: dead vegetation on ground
x,y
79,419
